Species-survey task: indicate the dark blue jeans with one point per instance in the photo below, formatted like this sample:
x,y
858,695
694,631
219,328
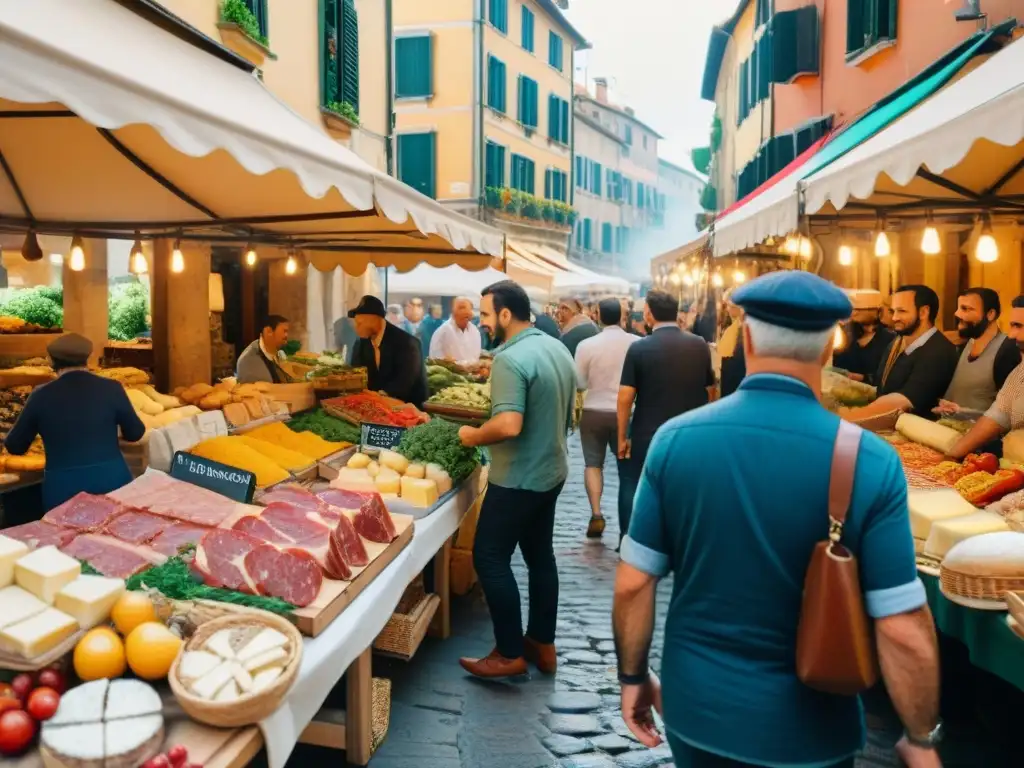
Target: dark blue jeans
x,y
511,517
629,479
686,756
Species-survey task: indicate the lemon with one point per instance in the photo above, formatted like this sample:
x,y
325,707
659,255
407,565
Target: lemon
x,y
131,610
100,653
151,650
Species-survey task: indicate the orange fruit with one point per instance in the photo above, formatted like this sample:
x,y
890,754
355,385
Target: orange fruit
x,y
151,650
100,653
131,610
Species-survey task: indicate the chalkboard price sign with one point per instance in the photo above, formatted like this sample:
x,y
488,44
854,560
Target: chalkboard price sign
x,y
236,484
377,436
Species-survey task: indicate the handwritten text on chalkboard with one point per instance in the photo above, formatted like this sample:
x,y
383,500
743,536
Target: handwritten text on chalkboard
x,y
381,435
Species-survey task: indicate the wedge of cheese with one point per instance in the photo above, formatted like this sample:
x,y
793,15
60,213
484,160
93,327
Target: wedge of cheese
x,y
228,693
419,493
209,685
43,632
80,744
929,506
268,639
437,473
132,698
129,743
85,706
387,482
46,572
945,534
10,552
358,461
350,479
195,664
265,678
393,460
272,658
17,605
89,599
220,644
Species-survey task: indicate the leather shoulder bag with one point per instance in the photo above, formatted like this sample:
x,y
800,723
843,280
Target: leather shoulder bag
x,y
835,650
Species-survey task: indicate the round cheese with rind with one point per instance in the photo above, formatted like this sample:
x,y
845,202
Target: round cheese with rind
x,y
998,554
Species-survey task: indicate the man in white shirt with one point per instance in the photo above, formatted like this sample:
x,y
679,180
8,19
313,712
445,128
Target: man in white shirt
x,y
599,362
458,339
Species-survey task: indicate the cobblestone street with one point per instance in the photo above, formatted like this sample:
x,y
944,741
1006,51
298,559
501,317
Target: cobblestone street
x,y
442,718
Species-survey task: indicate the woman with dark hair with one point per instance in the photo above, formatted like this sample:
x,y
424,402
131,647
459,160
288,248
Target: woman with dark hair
x,y
78,416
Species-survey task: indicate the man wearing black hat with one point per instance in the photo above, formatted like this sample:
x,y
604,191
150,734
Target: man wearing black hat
x,y
393,358
733,500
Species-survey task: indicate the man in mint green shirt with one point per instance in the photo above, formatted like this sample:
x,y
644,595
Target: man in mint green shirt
x,y
533,389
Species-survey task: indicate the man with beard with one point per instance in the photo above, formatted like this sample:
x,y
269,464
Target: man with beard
x,y
987,358
533,391
866,339
1007,412
918,365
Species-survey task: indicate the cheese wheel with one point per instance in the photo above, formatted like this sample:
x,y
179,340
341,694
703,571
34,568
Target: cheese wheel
x,y
927,433
930,506
946,534
999,554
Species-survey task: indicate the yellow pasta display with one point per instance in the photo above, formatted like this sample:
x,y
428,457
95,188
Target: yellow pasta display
x,y
283,457
234,452
306,443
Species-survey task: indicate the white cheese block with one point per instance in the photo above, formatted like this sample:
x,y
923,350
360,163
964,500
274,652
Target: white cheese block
x,y
10,552
436,473
393,460
80,745
419,493
82,704
267,640
358,461
220,644
416,470
997,555
89,599
209,684
925,432
17,605
35,636
265,678
46,572
388,482
132,698
242,678
358,480
946,533
372,469
228,693
929,506
130,743
195,664
273,657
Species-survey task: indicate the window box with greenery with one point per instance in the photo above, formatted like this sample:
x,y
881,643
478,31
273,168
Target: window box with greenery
x,y
870,27
339,64
516,204
243,28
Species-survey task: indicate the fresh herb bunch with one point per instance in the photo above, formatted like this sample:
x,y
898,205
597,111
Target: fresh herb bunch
x,y
128,306
437,442
34,305
324,425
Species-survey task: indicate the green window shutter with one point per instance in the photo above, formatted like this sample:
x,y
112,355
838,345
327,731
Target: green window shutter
x,y
607,244
417,161
629,134
330,44
527,29
496,84
260,12
495,165
523,173
588,226
531,175
764,64
579,171
796,44
598,178
640,195
498,15
565,123
553,114
741,90
886,23
349,54
555,50
413,67
527,102
547,184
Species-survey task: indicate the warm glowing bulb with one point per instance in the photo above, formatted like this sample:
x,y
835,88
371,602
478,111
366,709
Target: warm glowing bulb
x,y
792,245
717,281
250,256
805,247
77,260
674,278
882,247
290,266
739,277
986,251
930,243
845,255
177,258
687,280
839,339
695,275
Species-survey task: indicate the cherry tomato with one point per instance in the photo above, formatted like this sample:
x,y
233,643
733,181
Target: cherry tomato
x,y
178,755
22,685
9,702
52,678
17,729
43,703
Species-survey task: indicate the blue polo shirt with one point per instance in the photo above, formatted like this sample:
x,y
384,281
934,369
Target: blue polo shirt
x,y
732,500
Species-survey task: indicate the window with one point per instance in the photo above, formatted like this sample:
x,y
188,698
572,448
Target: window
x,y
607,243
580,165
495,165
523,174
497,14
621,239
416,161
555,51
259,11
755,75
558,119
527,29
588,234
527,101
640,195
595,178
762,13
869,22
629,134
413,67
795,44
339,55
555,185
496,80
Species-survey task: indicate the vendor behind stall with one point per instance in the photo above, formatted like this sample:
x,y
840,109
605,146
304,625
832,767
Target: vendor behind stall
x,y
258,362
866,340
392,358
77,416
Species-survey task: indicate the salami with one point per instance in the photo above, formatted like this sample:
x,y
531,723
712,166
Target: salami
x,y
291,575
84,512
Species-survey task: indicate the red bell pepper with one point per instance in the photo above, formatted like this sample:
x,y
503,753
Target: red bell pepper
x,y
981,462
1006,481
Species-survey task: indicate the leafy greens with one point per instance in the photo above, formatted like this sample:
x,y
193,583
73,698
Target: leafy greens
x,y
437,442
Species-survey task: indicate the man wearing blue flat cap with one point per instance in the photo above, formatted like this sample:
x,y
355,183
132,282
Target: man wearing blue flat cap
x,y
732,501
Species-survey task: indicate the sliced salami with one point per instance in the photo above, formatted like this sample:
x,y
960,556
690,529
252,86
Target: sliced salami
x,y
291,575
220,559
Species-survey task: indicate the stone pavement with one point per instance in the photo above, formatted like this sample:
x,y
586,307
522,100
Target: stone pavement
x,y
442,718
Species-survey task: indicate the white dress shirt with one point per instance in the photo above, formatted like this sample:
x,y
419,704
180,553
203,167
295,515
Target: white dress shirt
x,y
599,362
451,342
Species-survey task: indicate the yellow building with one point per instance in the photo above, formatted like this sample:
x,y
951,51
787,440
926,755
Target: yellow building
x,y
484,122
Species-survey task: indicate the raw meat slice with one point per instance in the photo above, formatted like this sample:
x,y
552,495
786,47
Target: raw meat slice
x,y
373,521
112,557
293,494
136,527
176,536
300,525
291,575
84,512
220,559
339,497
161,494
336,564
349,546
260,529
39,533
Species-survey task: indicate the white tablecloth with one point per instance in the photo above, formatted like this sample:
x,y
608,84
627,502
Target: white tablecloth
x,y
325,658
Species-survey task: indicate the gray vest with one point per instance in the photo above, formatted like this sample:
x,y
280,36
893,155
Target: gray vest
x,y
974,385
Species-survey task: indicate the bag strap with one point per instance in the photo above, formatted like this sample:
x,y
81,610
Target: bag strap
x,y
840,486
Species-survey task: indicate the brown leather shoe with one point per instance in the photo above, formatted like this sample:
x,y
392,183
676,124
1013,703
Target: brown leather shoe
x,y
494,666
541,655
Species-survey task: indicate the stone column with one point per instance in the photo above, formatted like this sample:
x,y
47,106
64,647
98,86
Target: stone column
x,y
181,316
85,297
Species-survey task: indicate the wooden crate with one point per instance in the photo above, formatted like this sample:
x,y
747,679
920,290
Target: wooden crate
x,y
298,397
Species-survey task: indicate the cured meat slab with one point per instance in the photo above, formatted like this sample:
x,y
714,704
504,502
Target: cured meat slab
x,y
39,533
178,535
84,512
288,525
134,527
161,494
292,494
110,556
372,519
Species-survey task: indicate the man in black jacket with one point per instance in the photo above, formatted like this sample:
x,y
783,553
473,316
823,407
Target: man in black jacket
x,y
393,358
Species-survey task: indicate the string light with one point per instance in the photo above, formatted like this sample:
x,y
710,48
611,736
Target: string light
x,y
838,340
177,258
882,247
805,248
931,245
76,262
717,281
987,250
137,259
30,249
739,277
250,255
791,246
845,255
290,266
688,279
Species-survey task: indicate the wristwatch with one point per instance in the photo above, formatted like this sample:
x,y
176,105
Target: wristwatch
x,y
930,740
639,679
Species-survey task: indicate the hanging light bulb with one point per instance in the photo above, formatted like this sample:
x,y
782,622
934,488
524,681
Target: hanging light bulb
x,y
791,246
931,245
805,248
674,278
695,274
30,250
250,255
290,266
76,262
838,340
716,280
688,279
882,247
770,241
739,277
986,251
845,255
177,258
137,259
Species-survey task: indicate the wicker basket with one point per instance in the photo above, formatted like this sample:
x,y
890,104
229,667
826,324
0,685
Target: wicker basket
x,y
1015,604
380,716
250,709
404,632
979,587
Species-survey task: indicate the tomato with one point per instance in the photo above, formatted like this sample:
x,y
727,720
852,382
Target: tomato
x,y
178,755
52,678
160,761
22,685
9,702
43,703
17,729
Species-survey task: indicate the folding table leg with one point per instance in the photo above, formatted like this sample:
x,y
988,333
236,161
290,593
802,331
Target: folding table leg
x,y
359,709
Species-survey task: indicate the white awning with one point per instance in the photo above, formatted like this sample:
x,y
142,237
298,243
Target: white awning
x,y
572,278
970,133
111,125
425,280
773,213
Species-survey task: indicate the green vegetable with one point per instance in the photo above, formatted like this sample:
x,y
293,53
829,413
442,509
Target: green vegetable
x,y
175,580
292,346
88,570
128,307
34,305
326,426
437,442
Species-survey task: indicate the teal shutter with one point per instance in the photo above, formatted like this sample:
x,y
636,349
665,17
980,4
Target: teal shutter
x,y
259,10
587,234
607,244
564,106
523,174
417,154
495,165
498,15
527,102
496,84
553,115
527,29
555,50
629,134
413,67
547,184
330,70
350,54
579,172
640,195
796,44
597,179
